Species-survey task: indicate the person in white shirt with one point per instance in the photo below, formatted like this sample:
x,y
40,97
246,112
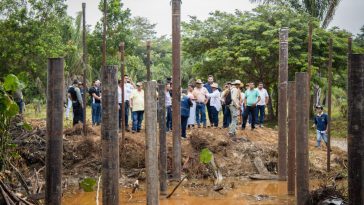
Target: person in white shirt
x,y
128,89
264,99
168,102
215,103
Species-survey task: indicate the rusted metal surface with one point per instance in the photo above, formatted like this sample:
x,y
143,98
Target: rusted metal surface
x,y
151,143
122,71
84,64
282,104
302,154
104,35
109,137
149,74
162,139
329,107
291,177
355,129
55,90
176,86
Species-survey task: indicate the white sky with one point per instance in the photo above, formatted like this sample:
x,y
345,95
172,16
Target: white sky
x,y
349,16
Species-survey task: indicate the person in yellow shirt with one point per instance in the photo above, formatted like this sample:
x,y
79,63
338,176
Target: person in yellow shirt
x,y
137,107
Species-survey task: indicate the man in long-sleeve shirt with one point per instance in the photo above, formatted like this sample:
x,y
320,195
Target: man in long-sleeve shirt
x,y
234,107
77,103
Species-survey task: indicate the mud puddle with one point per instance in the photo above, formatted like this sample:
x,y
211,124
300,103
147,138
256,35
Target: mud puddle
x,y
199,193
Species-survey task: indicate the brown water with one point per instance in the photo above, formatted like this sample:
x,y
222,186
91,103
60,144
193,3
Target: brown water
x,y
244,193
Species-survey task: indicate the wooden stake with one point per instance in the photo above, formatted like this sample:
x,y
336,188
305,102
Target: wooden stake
x,y
122,70
55,86
282,105
149,74
151,144
84,59
329,106
291,182
109,137
162,140
302,155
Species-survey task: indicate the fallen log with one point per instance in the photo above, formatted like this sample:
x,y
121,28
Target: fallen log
x,y
176,187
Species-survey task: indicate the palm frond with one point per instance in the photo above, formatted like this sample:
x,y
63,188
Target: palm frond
x,y
333,4
266,1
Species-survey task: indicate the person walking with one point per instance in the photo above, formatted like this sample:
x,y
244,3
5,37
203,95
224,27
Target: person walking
x,y
251,99
95,92
320,122
225,108
192,118
77,103
234,105
208,86
137,107
215,102
186,104
264,99
200,94
168,98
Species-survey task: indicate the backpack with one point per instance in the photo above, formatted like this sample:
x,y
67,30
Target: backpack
x,y
228,99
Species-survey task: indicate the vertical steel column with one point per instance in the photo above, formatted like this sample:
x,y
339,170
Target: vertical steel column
x,y
149,74
55,90
162,139
355,129
109,137
329,106
122,71
291,182
302,155
151,144
176,86
84,63
282,104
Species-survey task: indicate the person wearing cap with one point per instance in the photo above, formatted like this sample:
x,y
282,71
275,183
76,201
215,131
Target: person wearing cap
x,y
320,122
225,108
77,103
186,104
192,118
95,93
168,102
200,93
137,107
208,86
252,97
234,107
215,102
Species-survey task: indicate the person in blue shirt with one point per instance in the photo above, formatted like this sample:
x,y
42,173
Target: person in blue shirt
x,y
210,81
186,103
320,122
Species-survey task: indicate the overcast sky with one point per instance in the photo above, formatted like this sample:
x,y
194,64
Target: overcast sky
x,y
349,15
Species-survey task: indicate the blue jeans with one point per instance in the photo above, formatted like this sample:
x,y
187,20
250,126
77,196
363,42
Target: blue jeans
x,y
126,114
255,113
184,120
21,106
96,113
214,116
227,116
321,135
169,118
259,117
200,110
137,120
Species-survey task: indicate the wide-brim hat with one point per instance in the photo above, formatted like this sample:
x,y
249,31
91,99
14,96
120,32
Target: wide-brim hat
x,y
236,82
139,84
214,85
199,81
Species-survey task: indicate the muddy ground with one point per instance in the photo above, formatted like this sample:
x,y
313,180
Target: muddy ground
x,y
240,158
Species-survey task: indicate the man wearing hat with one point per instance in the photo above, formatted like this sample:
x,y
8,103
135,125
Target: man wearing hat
x,y
320,122
225,108
215,103
95,92
234,107
137,107
77,103
200,93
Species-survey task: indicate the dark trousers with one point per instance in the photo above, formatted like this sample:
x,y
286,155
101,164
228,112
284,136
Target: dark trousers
x,y
77,113
169,118
214,116
126,114
259,117
227,116
249,110
184,120
20,105
209,112
255,113
137,120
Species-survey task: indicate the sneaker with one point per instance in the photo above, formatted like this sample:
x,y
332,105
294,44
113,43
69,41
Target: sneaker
x,y
133,131
261,126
